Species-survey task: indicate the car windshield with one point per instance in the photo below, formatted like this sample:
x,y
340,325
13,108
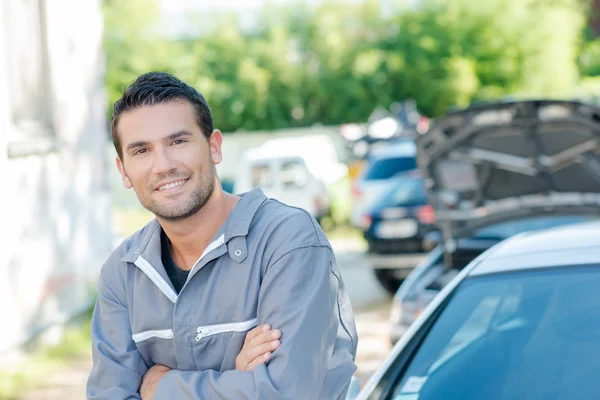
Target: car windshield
x,y
507,229
409,190
519,335
386,168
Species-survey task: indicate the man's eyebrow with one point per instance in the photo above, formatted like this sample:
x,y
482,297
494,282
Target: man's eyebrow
x,y
178,135
136,144
170,137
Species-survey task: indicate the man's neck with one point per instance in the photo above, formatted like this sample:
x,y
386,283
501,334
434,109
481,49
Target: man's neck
x,y
190,237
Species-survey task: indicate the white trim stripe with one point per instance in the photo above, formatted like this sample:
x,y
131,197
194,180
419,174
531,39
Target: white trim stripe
x,y
209,330
162,334
220,241
230,327
156,278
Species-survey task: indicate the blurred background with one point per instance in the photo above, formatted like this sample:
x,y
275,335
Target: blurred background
x,y
320,102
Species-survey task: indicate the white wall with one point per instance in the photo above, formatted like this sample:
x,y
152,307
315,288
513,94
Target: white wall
x,y
55,190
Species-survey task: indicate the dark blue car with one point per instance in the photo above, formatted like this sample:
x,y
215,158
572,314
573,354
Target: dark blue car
x,y
394,226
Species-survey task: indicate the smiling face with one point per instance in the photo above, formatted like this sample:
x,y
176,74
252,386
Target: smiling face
x,y
167,159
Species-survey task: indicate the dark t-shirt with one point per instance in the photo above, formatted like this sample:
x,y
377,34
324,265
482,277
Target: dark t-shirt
x,y
177,275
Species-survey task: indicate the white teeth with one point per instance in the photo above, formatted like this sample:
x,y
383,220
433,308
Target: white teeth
x,y
171,185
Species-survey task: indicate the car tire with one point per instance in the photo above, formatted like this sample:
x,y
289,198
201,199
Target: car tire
x,y
388,280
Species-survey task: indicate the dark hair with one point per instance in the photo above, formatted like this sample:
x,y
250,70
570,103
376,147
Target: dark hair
x,y
159,88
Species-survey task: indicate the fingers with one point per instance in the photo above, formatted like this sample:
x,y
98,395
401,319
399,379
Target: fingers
x,y
260,350
258,347
256,332
259,360
265,337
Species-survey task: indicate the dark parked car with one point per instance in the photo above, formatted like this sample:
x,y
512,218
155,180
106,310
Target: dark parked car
x,y
395,226
382,167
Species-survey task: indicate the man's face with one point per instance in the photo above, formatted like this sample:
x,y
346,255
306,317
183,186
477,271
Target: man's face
x,y
167,159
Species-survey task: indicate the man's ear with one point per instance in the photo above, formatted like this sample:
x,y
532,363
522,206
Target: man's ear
x,y
124,177
216,142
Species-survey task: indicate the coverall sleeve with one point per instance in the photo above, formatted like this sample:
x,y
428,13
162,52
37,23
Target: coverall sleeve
x,y
118,367
298,296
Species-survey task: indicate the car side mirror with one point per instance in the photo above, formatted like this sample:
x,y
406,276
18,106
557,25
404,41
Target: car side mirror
x,y
354,389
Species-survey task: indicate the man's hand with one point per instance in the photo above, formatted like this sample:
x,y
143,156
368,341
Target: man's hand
x,y
150,381
259,344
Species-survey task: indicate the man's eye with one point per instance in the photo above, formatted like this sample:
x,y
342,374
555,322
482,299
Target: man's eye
x,y
179,141
140,151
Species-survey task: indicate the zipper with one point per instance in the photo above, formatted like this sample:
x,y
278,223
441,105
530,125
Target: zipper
x,y
209,330
218,242
155,277
158,280
163,334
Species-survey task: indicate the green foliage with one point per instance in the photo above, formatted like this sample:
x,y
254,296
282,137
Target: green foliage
x,y
335,62
589,58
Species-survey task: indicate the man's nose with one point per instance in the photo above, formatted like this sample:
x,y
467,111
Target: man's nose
x,y
163,162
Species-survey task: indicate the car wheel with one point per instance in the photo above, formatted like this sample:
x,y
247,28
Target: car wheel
x,y
388,280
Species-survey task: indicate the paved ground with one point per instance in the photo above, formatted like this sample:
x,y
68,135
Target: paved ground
x,y
66,384
371,311
373,340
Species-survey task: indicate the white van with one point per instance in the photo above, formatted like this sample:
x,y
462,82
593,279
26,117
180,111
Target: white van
x,y
294,171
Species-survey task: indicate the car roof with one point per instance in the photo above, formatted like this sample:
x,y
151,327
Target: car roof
x,y
403,148
575,244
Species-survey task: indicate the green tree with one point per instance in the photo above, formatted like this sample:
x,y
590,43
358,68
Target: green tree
x,y
337,61
132,45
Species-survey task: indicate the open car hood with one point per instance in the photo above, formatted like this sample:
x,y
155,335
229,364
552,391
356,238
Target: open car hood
x,y
504,161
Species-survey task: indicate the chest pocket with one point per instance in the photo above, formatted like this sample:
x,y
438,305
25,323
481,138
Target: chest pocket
x,y
156,347
217,346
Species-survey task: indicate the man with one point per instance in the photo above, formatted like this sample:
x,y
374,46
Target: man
x,y
177,299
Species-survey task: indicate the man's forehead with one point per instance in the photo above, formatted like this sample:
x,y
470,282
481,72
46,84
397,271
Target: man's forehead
x,y
157,121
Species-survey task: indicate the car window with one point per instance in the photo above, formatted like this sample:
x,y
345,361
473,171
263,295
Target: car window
x,y
294,173
525,335
261,176
405,192
478,323
386,168
409,191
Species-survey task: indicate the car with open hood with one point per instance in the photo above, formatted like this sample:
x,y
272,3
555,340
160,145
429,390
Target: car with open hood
x,y
494,171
